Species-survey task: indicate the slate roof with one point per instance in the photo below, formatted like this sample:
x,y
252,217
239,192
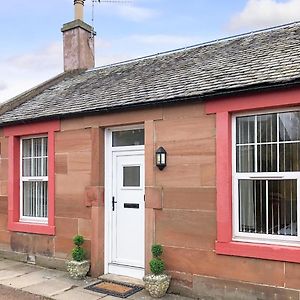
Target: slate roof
x,y
265,58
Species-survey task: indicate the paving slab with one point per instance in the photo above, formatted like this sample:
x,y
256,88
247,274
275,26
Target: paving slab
x,y
49,287
111,298
32,278
5,263
15,272
7,293
82,283
78,294
58,285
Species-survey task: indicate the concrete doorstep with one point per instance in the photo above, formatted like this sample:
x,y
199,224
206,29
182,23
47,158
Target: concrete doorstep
x,y
54,284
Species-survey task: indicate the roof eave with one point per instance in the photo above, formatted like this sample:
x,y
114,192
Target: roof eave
x,y
200,97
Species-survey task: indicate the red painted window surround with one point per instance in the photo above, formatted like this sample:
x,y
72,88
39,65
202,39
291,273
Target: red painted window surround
x,y
14,134
224,108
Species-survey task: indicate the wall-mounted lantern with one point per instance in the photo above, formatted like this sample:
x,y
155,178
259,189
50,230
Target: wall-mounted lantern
x,y
161,158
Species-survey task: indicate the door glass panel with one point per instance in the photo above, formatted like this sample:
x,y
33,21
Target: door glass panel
x,y
131,176
133,137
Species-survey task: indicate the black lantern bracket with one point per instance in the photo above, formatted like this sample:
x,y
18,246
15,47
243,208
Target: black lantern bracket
x,y
161,158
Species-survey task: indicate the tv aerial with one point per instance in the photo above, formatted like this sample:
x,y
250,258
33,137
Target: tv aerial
x,y
106,1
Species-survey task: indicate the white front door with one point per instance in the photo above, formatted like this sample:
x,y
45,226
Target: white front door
x,y
125,212
128,209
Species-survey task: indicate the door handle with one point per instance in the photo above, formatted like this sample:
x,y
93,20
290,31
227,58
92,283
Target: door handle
x,y
113,203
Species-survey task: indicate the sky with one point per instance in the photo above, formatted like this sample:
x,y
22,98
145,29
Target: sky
x,y
31,40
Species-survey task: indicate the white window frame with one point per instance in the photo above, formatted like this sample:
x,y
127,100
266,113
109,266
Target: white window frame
x,y
26,219
258,237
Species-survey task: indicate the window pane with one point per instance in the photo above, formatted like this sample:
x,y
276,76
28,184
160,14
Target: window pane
x,y
267,158
289,126
267,128
289,154
245,130
34,164
252,206
26,168
45,147
26,148
34,153
282,213
131,176
35,199
128,138
245,158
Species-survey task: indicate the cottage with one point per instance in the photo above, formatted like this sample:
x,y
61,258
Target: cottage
x,y
78,156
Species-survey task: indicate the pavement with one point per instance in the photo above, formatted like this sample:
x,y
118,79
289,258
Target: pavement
x,y
54,284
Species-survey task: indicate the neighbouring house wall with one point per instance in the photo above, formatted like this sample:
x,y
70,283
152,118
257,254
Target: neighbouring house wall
x,y
180,201
4,234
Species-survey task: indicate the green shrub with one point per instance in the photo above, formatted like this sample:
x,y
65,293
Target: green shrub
x,y
78,240
157,251
157,266
78,254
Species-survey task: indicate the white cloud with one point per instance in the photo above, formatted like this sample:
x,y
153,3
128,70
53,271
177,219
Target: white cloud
x,y
3,86
24,71
136,14
265,13
131,12
48,57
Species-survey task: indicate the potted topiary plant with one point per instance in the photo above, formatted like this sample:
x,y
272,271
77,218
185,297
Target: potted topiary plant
x,y
78,266
158,282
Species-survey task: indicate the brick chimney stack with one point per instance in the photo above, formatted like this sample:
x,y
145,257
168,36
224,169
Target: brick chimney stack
x,y
78,39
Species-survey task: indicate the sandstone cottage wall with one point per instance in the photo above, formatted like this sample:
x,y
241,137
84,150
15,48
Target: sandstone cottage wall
x,y
72,175
180,200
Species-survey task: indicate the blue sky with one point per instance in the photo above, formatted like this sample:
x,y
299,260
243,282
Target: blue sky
x,y
31,41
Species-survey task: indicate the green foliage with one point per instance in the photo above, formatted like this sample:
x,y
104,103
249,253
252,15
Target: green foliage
x,y
78,240
78,254
157,266
157,251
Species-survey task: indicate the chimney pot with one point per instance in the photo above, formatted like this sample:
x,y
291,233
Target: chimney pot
x,y
78,6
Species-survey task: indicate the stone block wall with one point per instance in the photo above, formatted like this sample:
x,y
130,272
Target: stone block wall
x,y
180,202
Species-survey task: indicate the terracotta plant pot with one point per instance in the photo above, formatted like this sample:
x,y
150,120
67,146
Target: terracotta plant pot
x,y
157,285
78,269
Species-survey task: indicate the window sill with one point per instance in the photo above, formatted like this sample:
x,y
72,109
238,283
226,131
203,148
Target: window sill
x,y
32,228
263,251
